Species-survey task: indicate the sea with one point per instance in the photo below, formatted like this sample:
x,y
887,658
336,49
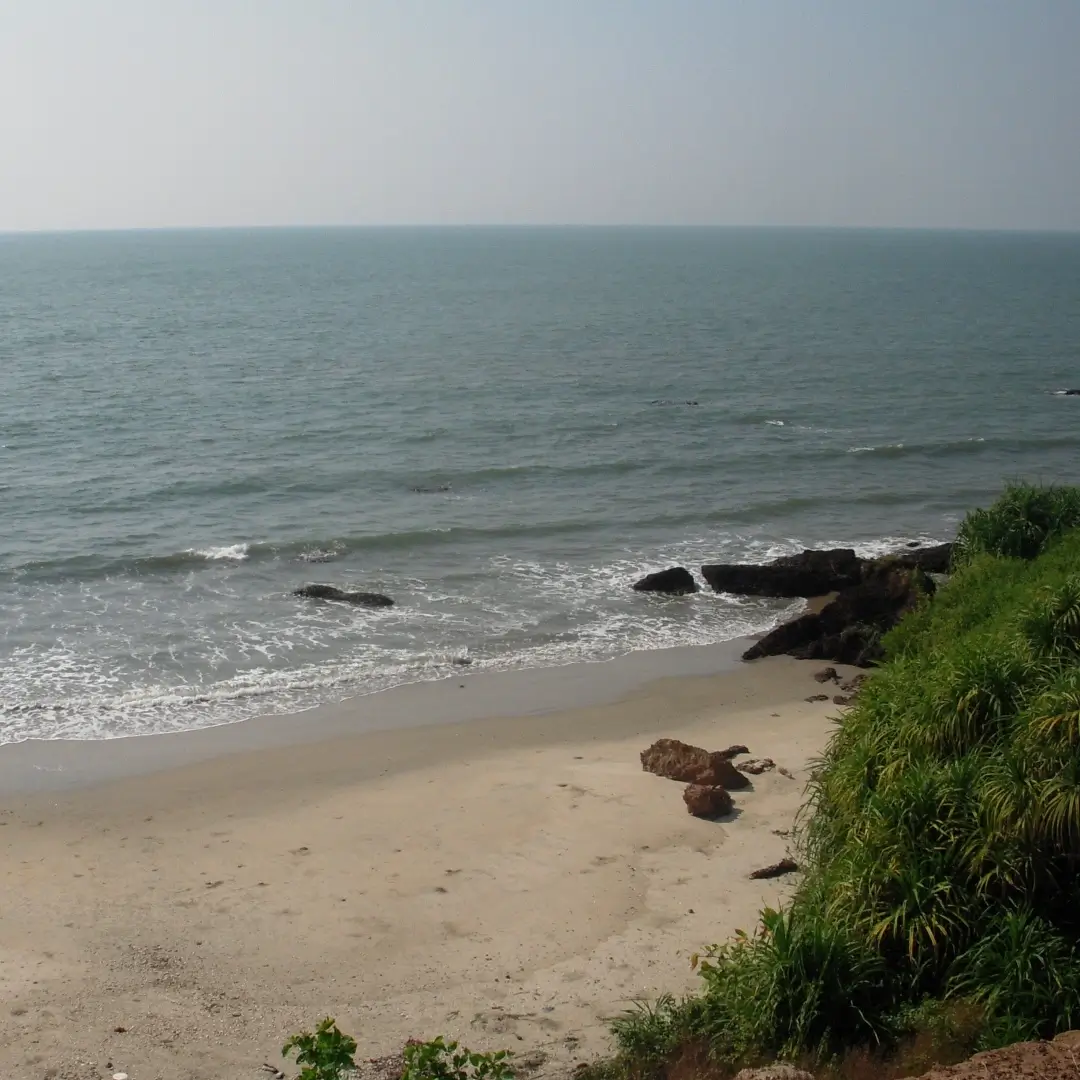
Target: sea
x,y
500,428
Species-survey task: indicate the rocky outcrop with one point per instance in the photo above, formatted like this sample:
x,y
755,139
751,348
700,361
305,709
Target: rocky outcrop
x,y
936,559
688,764
344,596
817,573
848,630
810,573
707,800
675,581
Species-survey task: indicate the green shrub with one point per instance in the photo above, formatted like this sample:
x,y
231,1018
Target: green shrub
x,y
1020,524
440,1060
325,1053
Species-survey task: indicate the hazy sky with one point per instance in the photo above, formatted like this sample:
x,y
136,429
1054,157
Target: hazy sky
x,y
121,113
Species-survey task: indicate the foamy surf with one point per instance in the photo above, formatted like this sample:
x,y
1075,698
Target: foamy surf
x,y
226,553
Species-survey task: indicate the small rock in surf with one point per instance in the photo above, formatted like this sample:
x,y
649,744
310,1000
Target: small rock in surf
x,y
332,592
676,581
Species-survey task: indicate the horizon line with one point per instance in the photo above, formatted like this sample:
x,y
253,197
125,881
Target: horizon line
x,y
541,226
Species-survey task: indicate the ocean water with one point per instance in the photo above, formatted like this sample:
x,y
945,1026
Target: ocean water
x,y
500,428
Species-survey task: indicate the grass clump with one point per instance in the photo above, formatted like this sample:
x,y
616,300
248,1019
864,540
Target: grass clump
x,y
1020,524
941,837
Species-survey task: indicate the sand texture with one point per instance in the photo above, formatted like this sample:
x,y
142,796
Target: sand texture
x,y
510,882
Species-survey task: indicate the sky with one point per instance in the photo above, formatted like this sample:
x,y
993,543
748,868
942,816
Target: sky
x,y
178,113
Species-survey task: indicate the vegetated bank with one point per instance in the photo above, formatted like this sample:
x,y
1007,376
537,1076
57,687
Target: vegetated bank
x,y
941,837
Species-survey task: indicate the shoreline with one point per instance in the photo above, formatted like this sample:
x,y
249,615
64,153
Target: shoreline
x,y
508,880
58,764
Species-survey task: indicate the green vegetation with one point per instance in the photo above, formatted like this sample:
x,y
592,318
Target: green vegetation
x,y
1019,524
328,1054
439,1060
324,1054
941,836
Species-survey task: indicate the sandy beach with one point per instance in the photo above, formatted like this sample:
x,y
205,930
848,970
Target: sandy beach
x,y
178,906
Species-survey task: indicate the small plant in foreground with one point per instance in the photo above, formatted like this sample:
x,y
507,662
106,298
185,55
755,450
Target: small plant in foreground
x,y
440,1060
324,1054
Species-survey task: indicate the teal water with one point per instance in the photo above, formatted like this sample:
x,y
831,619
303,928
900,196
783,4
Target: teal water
x,y
490,425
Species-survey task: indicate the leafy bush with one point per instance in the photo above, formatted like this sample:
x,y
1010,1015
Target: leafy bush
x,y
440,1060
325,1053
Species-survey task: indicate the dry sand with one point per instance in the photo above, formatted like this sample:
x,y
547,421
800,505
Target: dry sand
x,y
509,881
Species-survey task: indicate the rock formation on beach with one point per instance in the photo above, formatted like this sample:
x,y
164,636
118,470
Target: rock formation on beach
x,y
849,628
810,573
868,596
817,572
688,764
707,801
315,591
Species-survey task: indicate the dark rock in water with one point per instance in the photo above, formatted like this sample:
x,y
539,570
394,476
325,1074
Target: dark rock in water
x,y
810,573
332,592
848,630
816,573
913,544
676,581
688,764
461,661
784,866
707,800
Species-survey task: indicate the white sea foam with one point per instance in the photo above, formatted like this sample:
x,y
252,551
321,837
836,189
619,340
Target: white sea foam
x,y
227,553
874,449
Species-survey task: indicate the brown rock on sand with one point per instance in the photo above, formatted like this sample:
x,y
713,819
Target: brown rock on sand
x,y
1057,1060
784,866
692,765
756,766
707,801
